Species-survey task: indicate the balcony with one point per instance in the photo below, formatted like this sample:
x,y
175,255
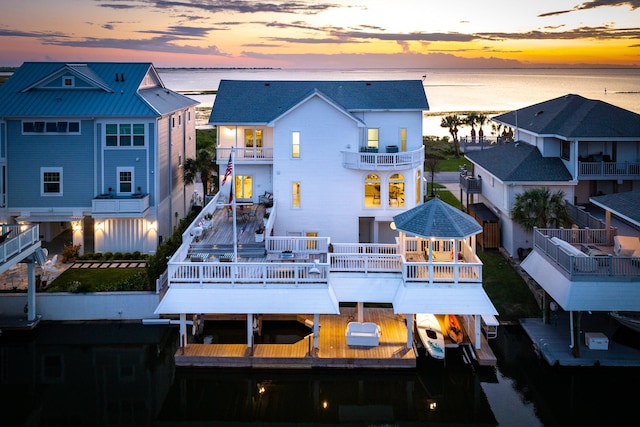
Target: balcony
x,y
390,160
608,170
470,185
245,155
107,205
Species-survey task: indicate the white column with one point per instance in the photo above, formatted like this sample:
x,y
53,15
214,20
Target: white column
x,y
360,309
478,330
409,330
250,330
31,292
183,330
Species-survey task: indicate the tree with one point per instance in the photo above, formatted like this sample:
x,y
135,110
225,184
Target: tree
x,y
481,120
452,122
199,168
472,120
540,208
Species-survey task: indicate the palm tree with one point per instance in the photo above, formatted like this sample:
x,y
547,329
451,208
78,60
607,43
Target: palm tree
x,y
481,119
539,207
199,168
472,120
452,122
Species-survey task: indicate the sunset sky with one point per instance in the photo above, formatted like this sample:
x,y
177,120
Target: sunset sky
x,y
324,34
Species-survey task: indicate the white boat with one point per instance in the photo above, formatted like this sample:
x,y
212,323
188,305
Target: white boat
x,y
430,334
630,319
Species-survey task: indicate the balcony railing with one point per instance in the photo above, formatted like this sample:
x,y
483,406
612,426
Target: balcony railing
x,y
245,155
134,205
602,268
470,185
608,170
382,161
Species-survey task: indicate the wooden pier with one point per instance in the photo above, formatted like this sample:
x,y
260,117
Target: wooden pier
x,y
332,352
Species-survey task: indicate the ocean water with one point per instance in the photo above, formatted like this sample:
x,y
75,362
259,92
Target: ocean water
x,y
491,91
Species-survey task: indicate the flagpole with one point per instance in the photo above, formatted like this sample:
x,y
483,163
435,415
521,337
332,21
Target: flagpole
x,y
233,206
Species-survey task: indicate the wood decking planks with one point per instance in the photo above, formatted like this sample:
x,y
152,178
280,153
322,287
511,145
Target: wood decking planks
x,y
333,351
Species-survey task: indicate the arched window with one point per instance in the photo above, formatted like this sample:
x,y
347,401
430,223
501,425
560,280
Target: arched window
x,y
418,187
396,191
372,191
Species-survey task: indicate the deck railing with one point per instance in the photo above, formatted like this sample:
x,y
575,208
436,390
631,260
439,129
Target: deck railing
x,y
606,170
382,161
21,238
584,267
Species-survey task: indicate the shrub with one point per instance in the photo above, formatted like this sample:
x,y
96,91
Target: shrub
x,y
118,255
108,256
70,253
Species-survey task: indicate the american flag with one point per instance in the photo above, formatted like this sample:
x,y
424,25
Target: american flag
x,y
229,170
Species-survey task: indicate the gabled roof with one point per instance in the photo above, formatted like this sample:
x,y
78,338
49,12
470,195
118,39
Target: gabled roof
x,y
100,89
438,219
317,94
258,101
520,162
574,117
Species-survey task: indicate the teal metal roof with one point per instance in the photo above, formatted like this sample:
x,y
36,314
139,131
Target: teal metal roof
x,y
519,162
98,90
574,117
258,101
438,219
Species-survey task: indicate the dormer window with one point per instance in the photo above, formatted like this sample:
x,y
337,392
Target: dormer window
x,y
68,81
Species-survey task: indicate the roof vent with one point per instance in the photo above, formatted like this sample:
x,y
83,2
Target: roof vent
x,y
368,83
539,112
121,77
267,84
117,77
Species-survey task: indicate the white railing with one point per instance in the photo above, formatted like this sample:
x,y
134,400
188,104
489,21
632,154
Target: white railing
x,y
116,205
308,245
365,263
21,238
442,272
383,161
364,248
237,274
243,155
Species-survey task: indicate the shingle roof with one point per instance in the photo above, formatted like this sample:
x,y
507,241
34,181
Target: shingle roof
x,y
519,162
257,101
574,117
97,93
625,205
436,218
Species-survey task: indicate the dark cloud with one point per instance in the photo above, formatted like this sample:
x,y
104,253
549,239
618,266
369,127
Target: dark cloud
x,y
181,31
164,44
431,37
239,6
108,26
601,33
633,5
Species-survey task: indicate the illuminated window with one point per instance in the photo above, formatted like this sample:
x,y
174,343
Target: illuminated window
x,y
295,145
372,191
295,194
243,187
372,138
403,139
418,187
396,191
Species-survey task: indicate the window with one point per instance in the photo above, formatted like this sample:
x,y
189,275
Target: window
x,y
124,135
418,187
403,139
372,191
295,194
295,145
372,138
253,139
243,187
125,180
68,81
396,191
51,127
51,181
565,150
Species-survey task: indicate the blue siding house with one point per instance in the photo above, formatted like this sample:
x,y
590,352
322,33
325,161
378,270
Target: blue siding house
x,y
97,148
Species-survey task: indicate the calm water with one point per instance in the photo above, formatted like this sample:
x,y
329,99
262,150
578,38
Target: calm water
x,y
449,90
123,374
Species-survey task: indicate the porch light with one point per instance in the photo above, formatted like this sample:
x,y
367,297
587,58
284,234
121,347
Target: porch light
x,y
99,226
392,225
152,225
76,226
315,269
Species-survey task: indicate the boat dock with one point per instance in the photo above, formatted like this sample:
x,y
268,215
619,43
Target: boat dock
x,y
552,341
332,352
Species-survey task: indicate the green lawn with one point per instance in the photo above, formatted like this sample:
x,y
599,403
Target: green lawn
x,y
100,280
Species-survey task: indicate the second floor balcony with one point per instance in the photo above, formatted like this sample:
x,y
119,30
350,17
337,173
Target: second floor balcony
x,y
125,206
608,170
389,160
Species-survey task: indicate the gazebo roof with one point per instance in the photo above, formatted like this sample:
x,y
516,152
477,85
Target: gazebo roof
x,y
438,219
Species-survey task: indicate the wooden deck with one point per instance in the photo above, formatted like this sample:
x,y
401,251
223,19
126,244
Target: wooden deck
x,y
332,352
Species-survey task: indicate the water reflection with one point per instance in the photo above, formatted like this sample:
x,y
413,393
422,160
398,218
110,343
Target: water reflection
x,y
124,374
